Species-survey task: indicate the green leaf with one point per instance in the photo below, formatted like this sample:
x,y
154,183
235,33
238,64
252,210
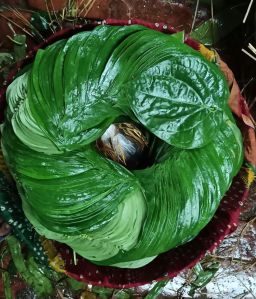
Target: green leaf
x,y
102,292
156,290
12,213
7,285
204,276
180,196
213,30
75,285
29,270
121,294
73,91
42,26
180,36
5,58
180,100
19,46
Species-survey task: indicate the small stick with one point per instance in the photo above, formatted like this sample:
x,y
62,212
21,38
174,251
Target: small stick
x,y
246,85
85,7
26,22
247,12
212,15
212,24
13,40
55,15
10,26
50,17
195,15
251,47
90,7
248,54
17,25
250,107
75,259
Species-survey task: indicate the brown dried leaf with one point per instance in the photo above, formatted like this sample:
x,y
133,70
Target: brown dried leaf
x,y
250,145
236,105
248,121
235,94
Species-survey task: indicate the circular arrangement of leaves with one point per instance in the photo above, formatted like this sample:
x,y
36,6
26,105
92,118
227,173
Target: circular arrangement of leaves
x,y
73,92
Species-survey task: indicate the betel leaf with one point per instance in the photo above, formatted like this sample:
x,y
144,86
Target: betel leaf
x,y
180,101
223,23
74,90
170,192
94,194
42,25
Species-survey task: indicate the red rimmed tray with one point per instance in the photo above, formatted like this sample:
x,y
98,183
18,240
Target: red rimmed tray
x,y
169,263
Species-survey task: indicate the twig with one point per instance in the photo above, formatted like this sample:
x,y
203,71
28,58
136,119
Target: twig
x,y
243,231
212,23
74,257
195,15
50,16
84,7
249,290
13,40
26,22
60,294
248,54
246,85
247,12
229,258
250,107
88,6
55,15
251,47
241,296
10,26
80,4
250,266
17,25
212,10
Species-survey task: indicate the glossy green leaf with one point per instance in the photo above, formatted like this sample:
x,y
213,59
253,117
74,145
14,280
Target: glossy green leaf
x,y
19,46
170,192
213,30
156,290
73,91
203,276
41,24
175,99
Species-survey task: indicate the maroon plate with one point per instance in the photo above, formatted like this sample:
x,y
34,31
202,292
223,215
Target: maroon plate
x,y
172,262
